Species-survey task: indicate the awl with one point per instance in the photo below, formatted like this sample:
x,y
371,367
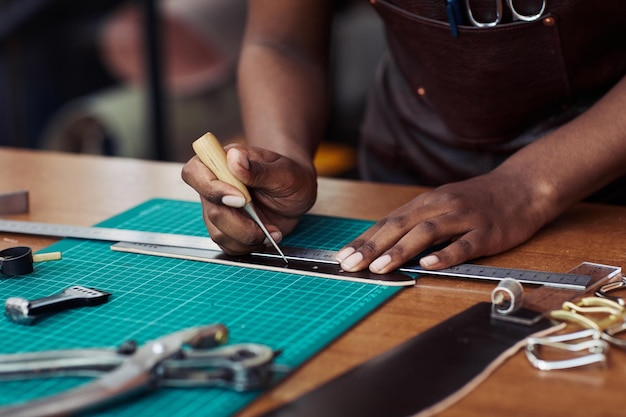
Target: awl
x,y
212,154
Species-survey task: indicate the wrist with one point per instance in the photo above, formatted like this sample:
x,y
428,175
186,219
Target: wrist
x,y
537,196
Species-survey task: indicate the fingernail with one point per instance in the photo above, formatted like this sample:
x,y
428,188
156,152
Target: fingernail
x,y
428,261
277,236
351,261
239,158
344,253
380,263
235,201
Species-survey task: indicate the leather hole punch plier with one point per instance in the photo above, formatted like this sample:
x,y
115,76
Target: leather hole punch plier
x,y
162,362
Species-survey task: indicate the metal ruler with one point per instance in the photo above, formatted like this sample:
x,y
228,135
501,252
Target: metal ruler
x,y
539,301
569,280
306,260
301,261
106,234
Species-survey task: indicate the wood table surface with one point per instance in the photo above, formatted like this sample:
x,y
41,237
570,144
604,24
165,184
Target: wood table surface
x,y
84,190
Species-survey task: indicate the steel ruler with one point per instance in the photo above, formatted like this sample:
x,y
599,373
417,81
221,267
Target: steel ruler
x,y
106,234
305,260
538,302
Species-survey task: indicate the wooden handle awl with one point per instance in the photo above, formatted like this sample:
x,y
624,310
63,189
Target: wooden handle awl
x,y
212,154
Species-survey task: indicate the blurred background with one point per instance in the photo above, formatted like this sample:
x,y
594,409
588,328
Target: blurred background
x,y
145,78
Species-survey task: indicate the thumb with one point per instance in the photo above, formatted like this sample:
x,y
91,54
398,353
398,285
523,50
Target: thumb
x,y
237,162
254,167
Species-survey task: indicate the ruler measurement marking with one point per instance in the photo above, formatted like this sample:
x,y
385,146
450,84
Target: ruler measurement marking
x,y
559,280
107,234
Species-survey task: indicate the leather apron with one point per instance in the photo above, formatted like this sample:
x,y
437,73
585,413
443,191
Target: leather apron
x,y
445,109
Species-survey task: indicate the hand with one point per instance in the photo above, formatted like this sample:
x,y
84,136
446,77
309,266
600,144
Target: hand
x,y
282,190
481,216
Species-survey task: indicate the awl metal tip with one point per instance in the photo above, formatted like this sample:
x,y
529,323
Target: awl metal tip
x,y
252,212
273,242
280,252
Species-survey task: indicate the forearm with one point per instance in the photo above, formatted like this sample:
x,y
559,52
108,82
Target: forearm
x,y
283,84
577,159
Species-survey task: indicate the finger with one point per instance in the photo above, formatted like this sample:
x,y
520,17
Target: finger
x,y
352,256
392,246
201,179
423,237
282,187
460,250
233,230
263,170
358,254
252,166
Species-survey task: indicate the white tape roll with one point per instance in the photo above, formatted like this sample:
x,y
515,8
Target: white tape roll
x,y
507,296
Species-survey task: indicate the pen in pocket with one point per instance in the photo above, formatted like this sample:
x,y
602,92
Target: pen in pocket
x,y
454,9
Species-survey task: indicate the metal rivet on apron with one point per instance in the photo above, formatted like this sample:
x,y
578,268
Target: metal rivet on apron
x,y
421,91
548,21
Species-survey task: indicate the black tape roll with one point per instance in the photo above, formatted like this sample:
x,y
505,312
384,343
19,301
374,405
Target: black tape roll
x,y
17,260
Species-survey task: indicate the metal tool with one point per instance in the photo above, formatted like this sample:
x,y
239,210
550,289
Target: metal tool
x,y
517,16
602,319
510,304
606,290
163,362
106,234
532,306
312,261
582,341
211,153
22,311
582,313
173,245
319,262
568,280
297,263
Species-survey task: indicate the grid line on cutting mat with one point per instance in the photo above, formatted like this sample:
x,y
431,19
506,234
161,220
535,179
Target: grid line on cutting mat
x,y
153,296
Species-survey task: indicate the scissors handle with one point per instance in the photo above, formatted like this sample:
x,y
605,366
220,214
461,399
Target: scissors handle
x,y
516,15
526,17
479,24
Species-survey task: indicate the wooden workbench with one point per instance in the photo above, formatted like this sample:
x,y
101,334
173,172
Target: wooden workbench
x,y
84,190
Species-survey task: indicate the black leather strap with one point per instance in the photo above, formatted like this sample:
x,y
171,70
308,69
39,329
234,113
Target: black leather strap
x,y
417,374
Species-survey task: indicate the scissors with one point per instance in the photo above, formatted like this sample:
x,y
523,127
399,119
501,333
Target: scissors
x,y
499,9
131,369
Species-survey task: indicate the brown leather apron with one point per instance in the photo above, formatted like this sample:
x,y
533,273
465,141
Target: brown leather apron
x,y
446,108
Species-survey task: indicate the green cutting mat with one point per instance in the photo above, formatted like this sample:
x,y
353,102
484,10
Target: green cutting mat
x,y
154,296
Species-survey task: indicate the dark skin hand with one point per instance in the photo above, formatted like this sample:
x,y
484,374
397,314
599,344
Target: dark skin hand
x,y
497,211
281,191
454,213
283,89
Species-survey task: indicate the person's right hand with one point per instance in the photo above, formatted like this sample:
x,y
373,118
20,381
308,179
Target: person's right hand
x,y
282,191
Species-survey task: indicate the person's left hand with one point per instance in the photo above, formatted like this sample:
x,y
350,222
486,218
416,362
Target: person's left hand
x,y
481,216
